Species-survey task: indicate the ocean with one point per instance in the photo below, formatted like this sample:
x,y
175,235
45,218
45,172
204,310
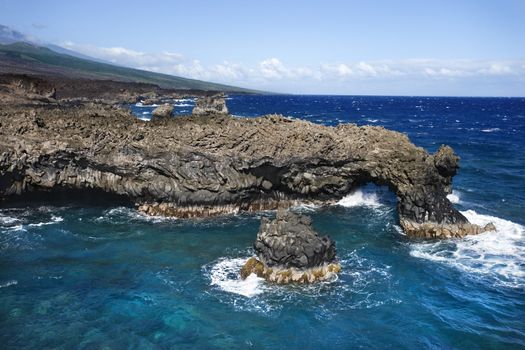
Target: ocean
x,y
89,274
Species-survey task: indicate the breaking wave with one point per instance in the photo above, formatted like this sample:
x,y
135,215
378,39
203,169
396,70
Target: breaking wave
x,y
498,255
359,198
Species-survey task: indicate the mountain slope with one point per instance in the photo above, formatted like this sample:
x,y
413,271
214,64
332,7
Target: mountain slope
x,y
21,57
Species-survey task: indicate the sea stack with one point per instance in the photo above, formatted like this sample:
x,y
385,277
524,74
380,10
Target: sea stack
x,y
162,112
210,105
290,251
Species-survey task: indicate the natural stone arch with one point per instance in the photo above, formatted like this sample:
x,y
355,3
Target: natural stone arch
x,y
199,166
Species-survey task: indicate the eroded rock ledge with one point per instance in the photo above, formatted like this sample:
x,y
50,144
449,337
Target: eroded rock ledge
x,y
208,165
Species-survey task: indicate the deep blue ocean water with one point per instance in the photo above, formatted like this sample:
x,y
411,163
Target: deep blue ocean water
x,y
96,274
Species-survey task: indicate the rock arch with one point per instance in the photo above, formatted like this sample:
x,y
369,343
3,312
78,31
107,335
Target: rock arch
x,y
199,166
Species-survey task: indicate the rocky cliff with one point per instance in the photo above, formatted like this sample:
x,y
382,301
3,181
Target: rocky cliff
x,y
206,165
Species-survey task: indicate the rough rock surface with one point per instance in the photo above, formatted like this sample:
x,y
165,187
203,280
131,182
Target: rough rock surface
x,y
211,105
162,112
198,166
290,241
289,250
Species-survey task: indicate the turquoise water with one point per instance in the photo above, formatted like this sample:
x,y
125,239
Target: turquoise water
x,y
91,272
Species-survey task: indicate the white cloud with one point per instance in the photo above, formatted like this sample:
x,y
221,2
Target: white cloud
x,y
272,72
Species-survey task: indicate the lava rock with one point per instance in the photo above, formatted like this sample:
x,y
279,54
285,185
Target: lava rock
x,y
290,241
163,112
210,105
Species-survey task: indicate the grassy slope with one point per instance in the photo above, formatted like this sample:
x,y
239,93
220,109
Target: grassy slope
x,y
28,54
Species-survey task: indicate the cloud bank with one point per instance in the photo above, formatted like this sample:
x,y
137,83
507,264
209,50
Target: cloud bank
x,y
408,76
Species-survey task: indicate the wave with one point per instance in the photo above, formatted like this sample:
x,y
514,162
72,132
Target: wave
x,y
7,220
54,220
358,198
225,275
8,283
183,105
124,214
490,129
497,255
454,197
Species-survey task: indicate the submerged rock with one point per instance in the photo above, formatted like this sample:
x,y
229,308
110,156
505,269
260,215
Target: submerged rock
x,y
289,250
162,112
210,105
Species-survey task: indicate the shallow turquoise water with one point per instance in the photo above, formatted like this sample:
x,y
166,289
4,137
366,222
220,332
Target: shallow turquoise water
x,y
96,274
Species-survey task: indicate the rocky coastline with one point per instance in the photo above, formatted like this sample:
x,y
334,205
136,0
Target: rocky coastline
x,y
212,163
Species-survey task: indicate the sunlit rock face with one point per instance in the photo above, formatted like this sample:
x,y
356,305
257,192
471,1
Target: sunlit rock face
x,y
289,250
210,105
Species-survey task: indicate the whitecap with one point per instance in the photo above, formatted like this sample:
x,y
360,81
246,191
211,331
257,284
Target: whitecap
x,y
497,255
225,275
358,198
372,120
6,220
491,129
183,105
454,197
8,283
54,220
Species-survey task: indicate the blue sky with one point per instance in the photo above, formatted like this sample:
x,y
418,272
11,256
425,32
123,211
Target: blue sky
x,y
331,47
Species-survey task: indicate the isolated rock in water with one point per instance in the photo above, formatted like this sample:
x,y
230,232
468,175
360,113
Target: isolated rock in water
x,y
289,250
290,241
163,112
210,105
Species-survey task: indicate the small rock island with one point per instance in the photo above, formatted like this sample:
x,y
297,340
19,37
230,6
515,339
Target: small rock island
x,y
290,251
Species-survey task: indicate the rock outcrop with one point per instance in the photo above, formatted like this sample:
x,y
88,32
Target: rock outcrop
x,y
199,166
289,250
162,112
210,105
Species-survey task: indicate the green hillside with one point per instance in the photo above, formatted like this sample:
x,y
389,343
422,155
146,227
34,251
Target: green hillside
x,y
41,59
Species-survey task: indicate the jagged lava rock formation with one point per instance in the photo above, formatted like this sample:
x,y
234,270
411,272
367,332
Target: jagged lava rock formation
x,y
210,105
163,112
207,165
289,250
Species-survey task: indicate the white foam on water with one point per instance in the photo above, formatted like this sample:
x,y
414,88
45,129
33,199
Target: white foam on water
x,y
184,100
372,120
491,129
225,275
499,255
183,105
358,198
8,283
54,220
125,213
6,220
454,197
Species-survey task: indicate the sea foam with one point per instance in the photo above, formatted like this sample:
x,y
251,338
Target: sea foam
x,y
454,197
497,255
225,275
359,198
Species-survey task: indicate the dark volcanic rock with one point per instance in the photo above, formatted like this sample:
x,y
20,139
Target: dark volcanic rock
x,y
210,105
290,241
200,166
290,251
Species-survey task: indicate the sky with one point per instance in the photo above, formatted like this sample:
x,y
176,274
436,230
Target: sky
x,y
376,47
